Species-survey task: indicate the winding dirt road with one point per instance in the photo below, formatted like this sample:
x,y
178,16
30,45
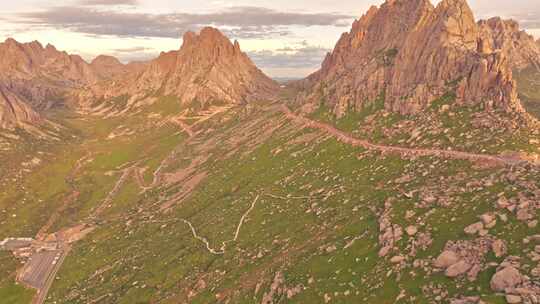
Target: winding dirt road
x,y
126,173
223,247
349,139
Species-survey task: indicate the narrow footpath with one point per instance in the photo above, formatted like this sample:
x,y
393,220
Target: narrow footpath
x,y
356,142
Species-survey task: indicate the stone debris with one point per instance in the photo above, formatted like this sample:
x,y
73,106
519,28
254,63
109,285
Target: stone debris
x,y
466,300
446,259
397,259
411,230
464,257
512,299
499,248
517,287
458,269
507,277
275,289
474,228
389,234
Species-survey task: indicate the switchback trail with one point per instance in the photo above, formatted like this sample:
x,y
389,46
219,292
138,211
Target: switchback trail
x,y
348,139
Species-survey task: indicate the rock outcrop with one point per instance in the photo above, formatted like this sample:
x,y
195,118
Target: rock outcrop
x,y
41,74
14,111
519,47
34,78
507,277
413,53
207,69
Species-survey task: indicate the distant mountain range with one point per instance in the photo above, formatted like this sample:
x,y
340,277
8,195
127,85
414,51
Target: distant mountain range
x,y
409,51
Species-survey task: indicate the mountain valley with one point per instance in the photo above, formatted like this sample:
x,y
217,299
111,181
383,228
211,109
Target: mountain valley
x,y
405,170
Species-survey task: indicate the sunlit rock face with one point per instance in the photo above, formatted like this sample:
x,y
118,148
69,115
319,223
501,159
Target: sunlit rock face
x,y
208,68
414,53
14,111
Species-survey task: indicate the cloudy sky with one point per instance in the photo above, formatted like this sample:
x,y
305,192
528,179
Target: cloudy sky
x,y
286,38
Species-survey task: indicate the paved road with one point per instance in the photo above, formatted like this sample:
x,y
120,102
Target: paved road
x,y
38,268
44,290
16,244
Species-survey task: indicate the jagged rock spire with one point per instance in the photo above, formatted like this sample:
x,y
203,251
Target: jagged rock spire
x,y
413,53
207,68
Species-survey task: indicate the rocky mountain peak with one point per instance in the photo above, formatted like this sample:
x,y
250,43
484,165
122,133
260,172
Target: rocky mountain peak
x,y
208,37
108,67
10,41
505,35
454,6
210,43
189,37
34,78
50,47
31,60
380,28
105,60
455,20
207,68
413,53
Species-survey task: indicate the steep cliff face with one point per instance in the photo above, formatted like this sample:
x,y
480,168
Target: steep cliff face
x,y
208,68
14,111
40,74
519,47
31,60
413,53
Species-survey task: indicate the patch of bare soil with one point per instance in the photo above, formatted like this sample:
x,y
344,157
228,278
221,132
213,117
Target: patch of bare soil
x,y
70,235
187,188
306,138
182,174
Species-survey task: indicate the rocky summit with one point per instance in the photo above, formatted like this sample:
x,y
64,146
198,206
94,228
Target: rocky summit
x,y
109,67
505,36
207,69
41,74
413,53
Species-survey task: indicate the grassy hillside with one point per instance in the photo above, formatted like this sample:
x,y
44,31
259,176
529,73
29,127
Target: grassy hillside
x,y
253,207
